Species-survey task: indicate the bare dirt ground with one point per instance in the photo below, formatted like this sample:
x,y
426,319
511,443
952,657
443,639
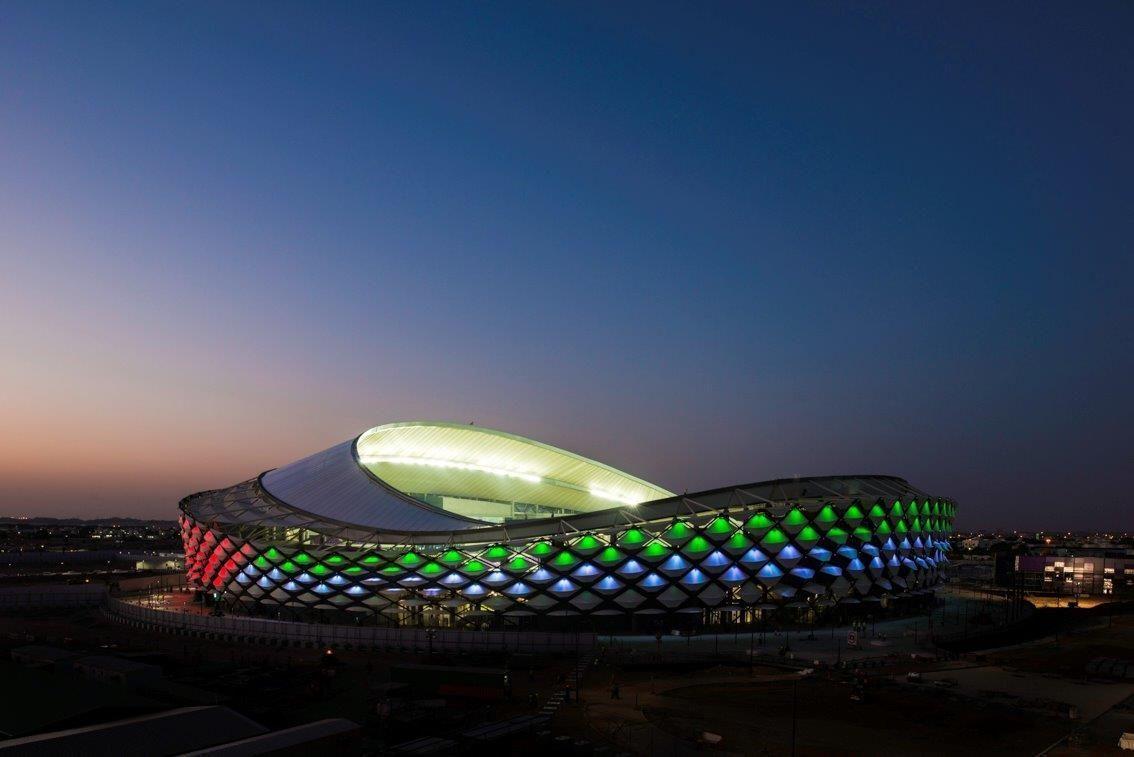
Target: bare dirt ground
x,y
753,716
1012,701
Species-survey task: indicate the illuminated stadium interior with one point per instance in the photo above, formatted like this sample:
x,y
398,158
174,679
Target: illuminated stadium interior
x,y
494,476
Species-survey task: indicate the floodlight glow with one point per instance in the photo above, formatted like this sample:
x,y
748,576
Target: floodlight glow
x,y
612,496
433,462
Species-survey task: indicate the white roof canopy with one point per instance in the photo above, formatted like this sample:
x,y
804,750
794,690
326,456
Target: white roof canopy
x,y
478,463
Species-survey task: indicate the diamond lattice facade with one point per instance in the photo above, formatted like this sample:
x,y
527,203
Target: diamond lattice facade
x,y
461,522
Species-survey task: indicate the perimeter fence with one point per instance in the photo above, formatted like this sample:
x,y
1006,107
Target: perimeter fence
x,y
284,633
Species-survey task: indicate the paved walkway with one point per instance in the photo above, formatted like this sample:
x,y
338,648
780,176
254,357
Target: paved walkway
x,y
557,697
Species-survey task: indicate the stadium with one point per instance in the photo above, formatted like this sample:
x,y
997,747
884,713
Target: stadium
x,y
442,524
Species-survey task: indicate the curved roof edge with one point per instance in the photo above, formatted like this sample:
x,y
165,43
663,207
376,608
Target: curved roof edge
x,y
332,484
250,505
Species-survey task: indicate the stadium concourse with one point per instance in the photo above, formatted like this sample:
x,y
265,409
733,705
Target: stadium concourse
x,y
440,524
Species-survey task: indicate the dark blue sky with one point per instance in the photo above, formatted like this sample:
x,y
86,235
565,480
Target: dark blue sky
x,y
706,245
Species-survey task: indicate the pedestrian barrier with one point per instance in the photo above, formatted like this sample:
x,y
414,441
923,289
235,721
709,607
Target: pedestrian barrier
x,y
309,635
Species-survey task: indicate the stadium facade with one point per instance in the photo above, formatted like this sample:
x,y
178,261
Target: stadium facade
x,y
441,523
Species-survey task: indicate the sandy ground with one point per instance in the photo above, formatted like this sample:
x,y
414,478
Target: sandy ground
x,y
1013,701
1092,698
753,716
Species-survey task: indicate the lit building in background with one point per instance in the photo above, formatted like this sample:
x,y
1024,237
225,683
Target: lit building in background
x,y
1081,573
442,523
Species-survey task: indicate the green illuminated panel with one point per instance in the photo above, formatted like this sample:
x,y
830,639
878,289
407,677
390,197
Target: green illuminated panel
x,y
738,542
634,537
273,553
392,570
565,560
862,533
877,512
720,526
609,556
473,567
541,549
896,510
371,560
655,550
588,543
410,559
320,570
431,569
289,567
795,518
518,564
303,558
853,515
698,545
773,537
452,557
808,535
838,535
678,531
261,562
759,522
335,560
497,552
827,515
354,570
884,529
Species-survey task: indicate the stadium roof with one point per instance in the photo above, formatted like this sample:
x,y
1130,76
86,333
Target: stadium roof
x,y
480,463
373,490
371,480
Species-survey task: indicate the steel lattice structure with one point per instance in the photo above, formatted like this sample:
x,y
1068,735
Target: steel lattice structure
x,y
795,542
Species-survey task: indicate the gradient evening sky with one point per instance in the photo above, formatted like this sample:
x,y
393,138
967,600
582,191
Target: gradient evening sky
x,y
706,244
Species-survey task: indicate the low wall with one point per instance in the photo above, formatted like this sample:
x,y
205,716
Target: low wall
x,y
292,634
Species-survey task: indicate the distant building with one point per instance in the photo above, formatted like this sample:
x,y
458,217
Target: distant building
x,y
1099,574
116,670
